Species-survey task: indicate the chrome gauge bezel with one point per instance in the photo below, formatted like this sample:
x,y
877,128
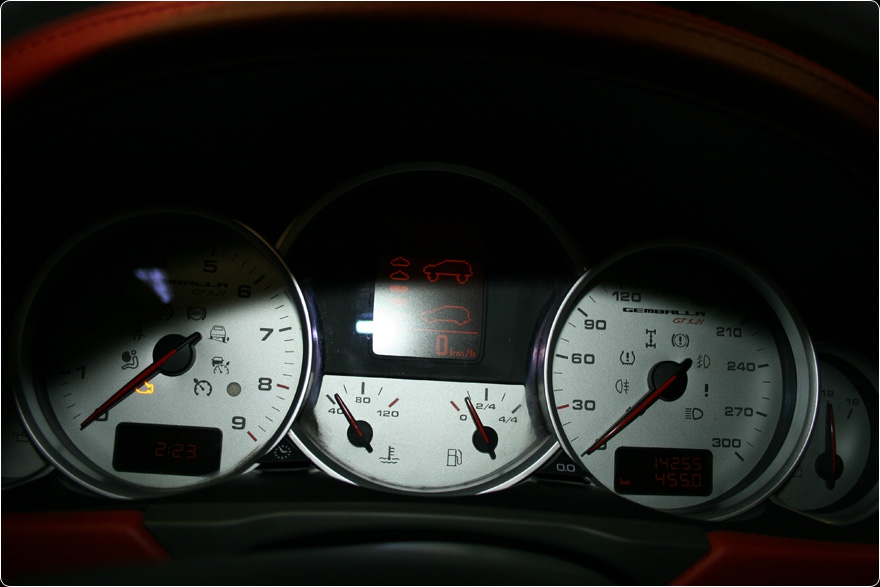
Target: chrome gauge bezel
x,y
848,501
308,435
800,386
42,423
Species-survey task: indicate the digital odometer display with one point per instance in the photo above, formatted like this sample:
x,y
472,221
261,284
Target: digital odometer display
x,y
662,471
428,308
167,450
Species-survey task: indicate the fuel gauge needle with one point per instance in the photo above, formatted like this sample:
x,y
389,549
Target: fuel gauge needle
x,y
360,433
485,439
639,408
141,378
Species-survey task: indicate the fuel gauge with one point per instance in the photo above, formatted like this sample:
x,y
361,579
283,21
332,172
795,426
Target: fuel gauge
x,y
417,436
836,481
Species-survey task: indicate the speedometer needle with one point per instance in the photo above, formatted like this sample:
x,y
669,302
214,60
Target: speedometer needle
x,y
141,378
639,408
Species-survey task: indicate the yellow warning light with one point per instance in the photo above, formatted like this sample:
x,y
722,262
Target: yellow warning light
x,y
147,390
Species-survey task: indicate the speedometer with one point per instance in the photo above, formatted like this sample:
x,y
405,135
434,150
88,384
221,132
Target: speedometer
x,y
681,380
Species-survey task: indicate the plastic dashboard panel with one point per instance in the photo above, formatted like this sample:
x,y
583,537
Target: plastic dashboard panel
x,y
627,121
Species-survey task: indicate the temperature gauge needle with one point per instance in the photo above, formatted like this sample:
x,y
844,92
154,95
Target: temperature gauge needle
x,y
485,439
360,433
643,404
143,376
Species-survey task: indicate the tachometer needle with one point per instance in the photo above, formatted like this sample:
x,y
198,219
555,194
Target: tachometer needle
x,y
485,439
360,433
141,378
639,408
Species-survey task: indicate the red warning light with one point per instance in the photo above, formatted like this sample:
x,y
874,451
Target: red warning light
x,y
438,317
458,315
460,270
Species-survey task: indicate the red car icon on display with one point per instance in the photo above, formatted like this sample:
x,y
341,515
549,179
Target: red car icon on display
x,y
460,270
458,315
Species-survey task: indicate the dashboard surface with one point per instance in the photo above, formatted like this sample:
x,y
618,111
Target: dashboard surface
x,y
510,146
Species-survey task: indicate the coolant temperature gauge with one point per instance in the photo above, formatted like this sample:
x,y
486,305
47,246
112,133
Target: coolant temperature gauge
x,y
836,481
408,435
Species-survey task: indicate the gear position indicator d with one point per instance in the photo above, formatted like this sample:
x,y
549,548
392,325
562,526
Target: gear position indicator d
x,y
428,308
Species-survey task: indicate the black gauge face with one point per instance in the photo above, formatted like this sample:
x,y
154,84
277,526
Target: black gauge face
x,y
428,381
427,307
452,276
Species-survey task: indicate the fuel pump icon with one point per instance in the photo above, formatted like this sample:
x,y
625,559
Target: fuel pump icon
x,y
453,457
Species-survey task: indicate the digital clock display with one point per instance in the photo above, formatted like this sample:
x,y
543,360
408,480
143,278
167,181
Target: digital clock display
x,y
167,450
428,307
662,471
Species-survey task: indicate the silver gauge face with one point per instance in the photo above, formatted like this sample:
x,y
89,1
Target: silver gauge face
x,y
680,380
163,352
428,380
836,480
21,460
425,436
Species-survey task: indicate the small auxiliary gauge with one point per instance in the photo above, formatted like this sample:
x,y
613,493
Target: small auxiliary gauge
x,y
161,352
681,380
428,309
836,481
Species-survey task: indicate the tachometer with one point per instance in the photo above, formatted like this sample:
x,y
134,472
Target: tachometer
x,y
681,380
162,352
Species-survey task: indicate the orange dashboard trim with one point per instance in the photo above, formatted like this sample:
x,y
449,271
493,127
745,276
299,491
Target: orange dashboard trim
x,y
28,60
752,559
67,541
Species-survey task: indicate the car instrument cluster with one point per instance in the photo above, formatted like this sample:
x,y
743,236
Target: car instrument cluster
x,y
430,329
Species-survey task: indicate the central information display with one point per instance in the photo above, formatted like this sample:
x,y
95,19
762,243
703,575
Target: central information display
x,y
428,308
